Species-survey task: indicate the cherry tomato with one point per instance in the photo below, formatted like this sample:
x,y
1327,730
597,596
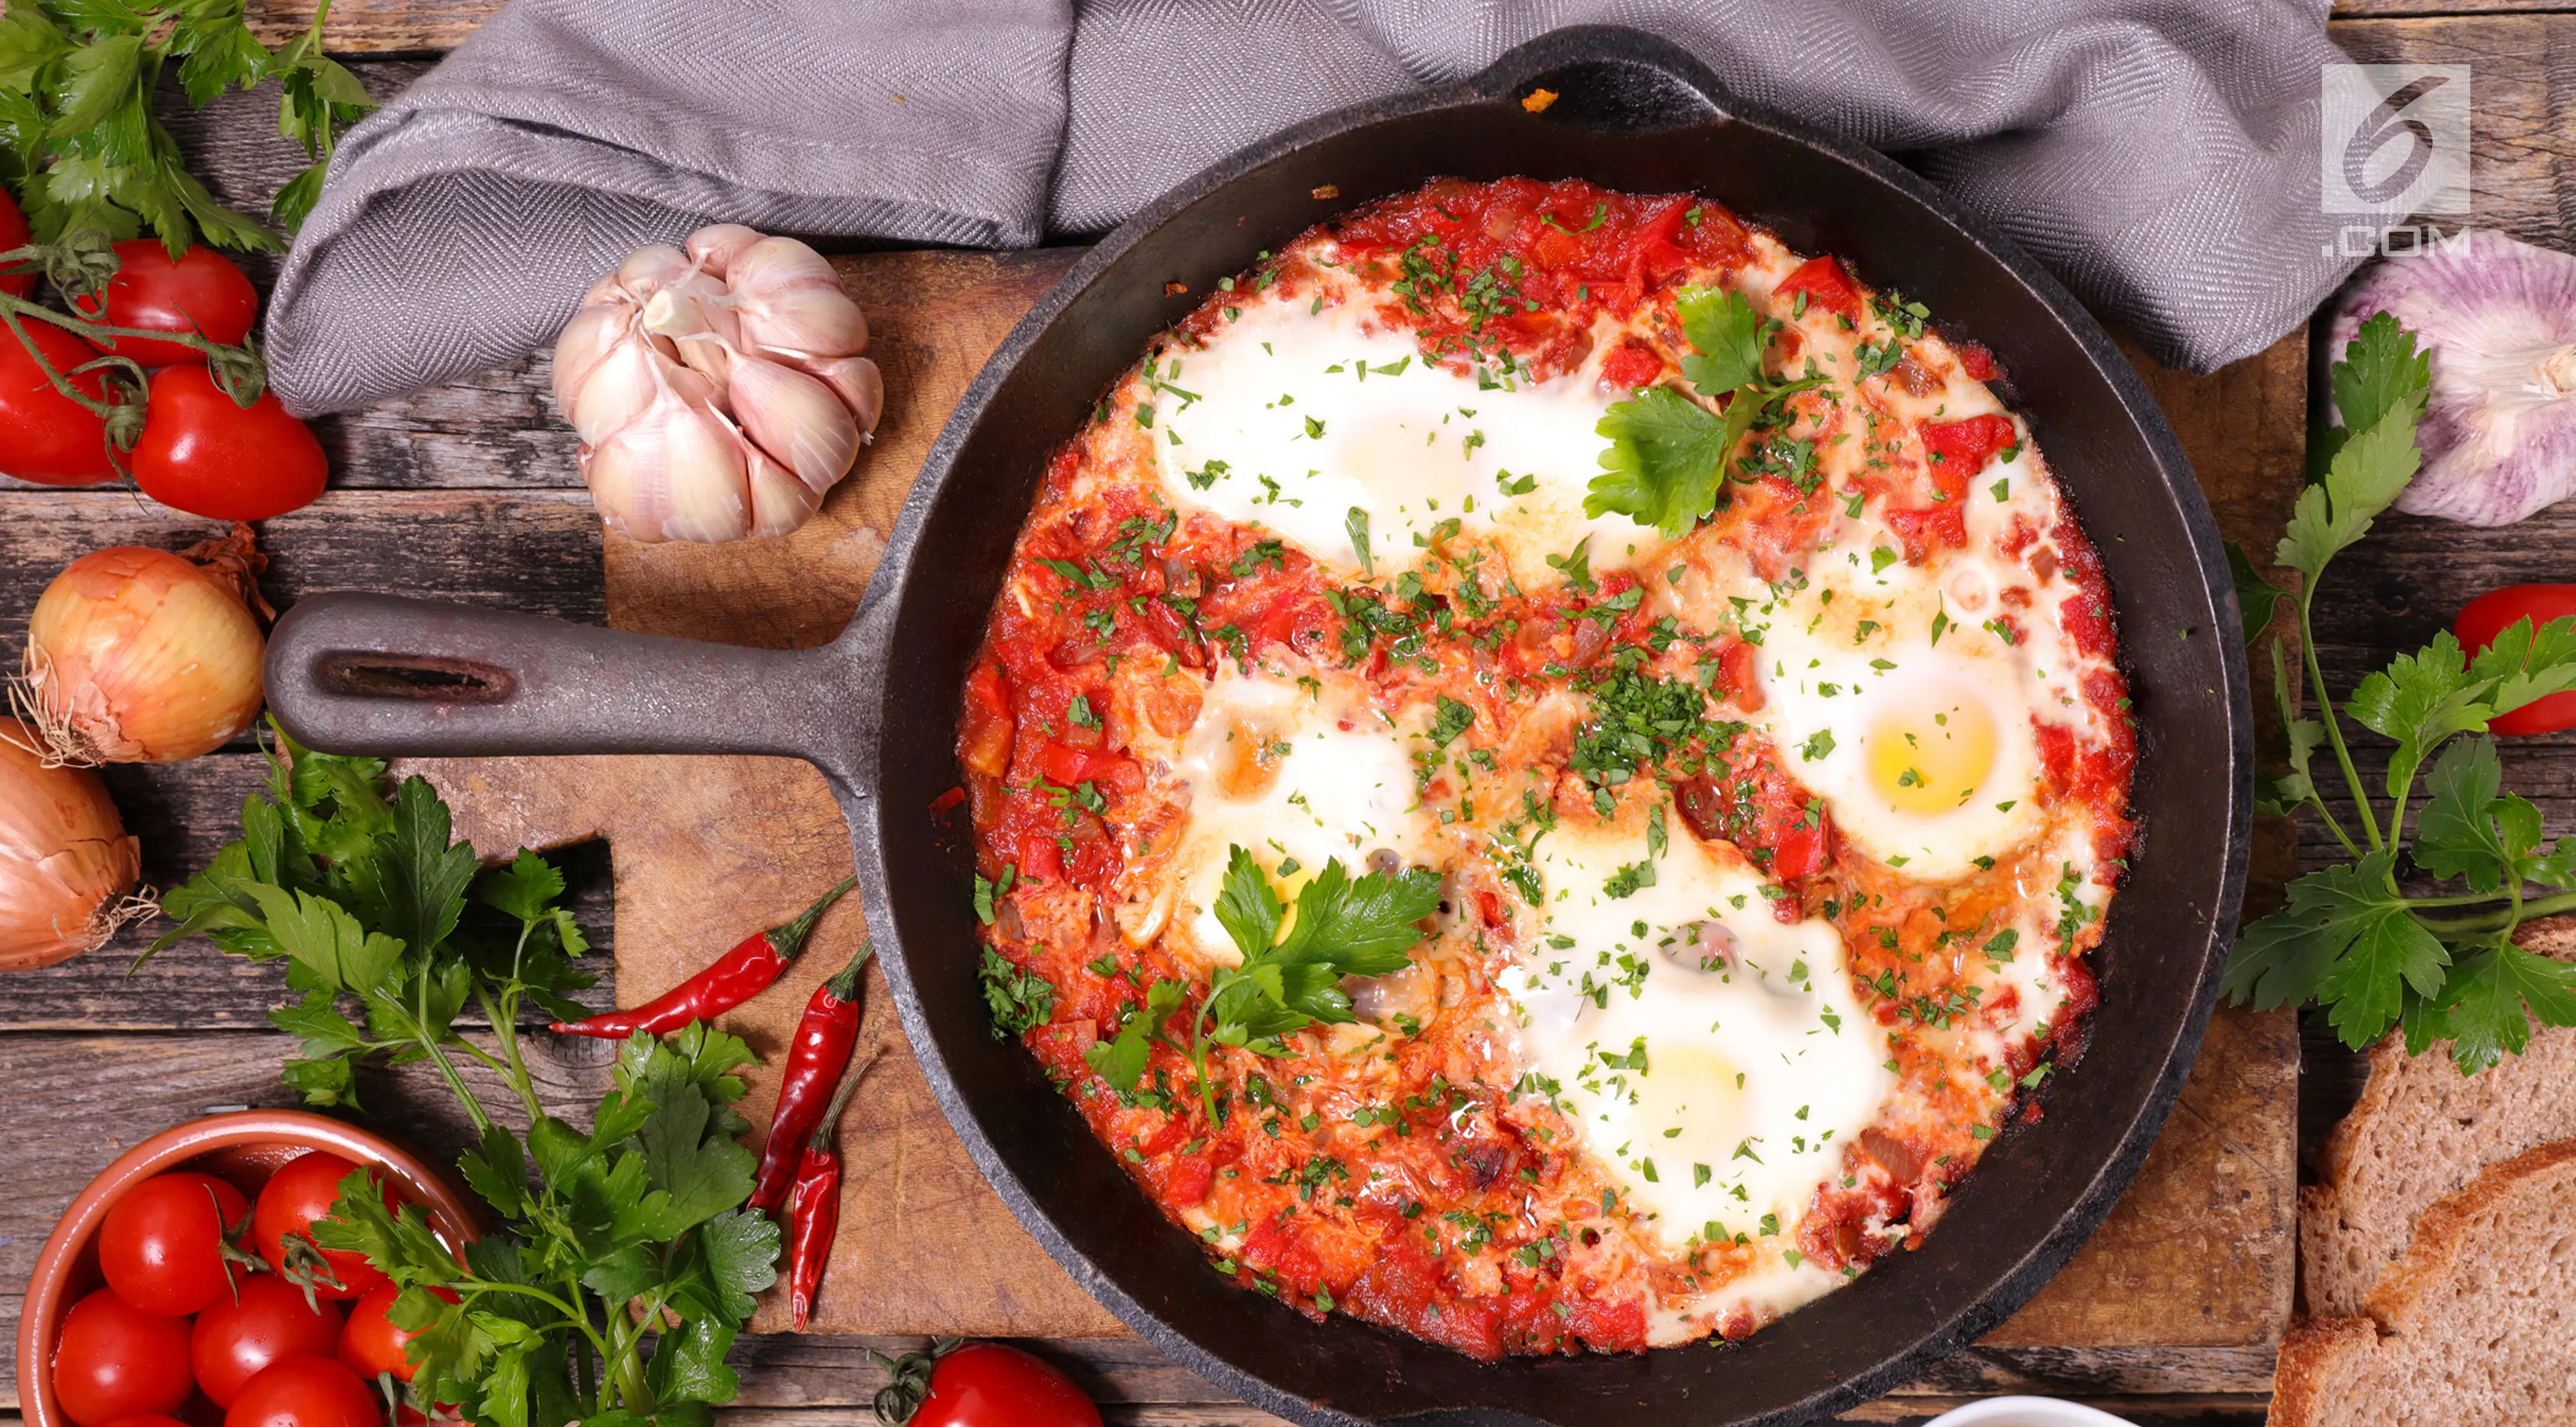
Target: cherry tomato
x,y
162,1245
14,234
989,1385
306,1392
2492,613
45,436
114,1360
293,1198
204,454
371,1344
147,1419
201,292
269,1320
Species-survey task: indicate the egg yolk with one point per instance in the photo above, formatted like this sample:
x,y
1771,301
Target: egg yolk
x,y
1695,1090
1929,758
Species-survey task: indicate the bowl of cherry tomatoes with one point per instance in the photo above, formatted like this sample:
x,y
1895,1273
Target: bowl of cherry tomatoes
x,y
183,1287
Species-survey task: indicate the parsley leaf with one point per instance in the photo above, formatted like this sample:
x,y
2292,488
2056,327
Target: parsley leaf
x,y
1664,462
1339,926
1667,455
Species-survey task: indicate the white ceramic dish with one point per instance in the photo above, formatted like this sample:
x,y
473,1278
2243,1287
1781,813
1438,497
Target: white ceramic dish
x,y
2026,1412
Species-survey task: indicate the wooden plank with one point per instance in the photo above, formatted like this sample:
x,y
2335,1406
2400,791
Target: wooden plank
x,y
374,26
537,552
2522,172
2426,9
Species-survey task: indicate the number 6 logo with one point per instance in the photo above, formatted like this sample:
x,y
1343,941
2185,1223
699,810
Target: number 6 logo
x,y
2394,139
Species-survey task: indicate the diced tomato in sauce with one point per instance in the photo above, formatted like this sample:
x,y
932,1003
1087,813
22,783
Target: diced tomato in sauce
x,y
1825,284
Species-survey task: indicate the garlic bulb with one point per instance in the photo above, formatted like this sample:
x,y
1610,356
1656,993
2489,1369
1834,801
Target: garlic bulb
x,y
718,389
2498,318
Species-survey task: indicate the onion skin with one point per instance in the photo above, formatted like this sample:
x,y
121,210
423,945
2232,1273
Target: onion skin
x,y
140,656
66,862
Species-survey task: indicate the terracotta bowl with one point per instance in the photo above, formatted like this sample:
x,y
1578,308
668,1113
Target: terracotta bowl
x,y
241,1146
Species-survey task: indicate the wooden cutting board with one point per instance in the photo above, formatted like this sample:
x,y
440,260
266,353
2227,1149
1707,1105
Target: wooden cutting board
x,y
706,850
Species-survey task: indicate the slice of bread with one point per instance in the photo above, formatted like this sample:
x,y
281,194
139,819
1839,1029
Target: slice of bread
x,y
2420,1130
2475,1326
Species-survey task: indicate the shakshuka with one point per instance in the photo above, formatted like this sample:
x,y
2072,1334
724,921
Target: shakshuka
x,y
1545,768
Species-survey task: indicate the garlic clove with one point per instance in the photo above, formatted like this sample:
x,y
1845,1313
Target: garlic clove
x,y
790,301
588,338
779,501
698,329
649,270
676,473
858,383
795,420
620,388
707,480
715,247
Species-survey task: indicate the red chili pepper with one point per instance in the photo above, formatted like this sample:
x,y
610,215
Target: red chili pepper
x,y
814,1210
734,978
816,1060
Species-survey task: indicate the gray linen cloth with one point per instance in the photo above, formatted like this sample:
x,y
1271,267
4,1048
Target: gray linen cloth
x,y
2160,155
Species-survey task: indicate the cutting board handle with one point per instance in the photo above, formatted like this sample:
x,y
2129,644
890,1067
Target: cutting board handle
x,y
383,675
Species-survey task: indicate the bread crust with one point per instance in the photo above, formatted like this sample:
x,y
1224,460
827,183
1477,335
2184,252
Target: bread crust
x,y
2363,1372
2318,1360
2420,1126
2453,1229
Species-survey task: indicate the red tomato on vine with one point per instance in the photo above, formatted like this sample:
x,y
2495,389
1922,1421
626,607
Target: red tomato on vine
x,y
266,1321
306,1392
980,1385
114,1360
206,454
2492,613
45,436
298,1194
167,1245
199,292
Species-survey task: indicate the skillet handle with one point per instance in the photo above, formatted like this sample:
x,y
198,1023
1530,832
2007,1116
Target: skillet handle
x,y
1609,79
379,674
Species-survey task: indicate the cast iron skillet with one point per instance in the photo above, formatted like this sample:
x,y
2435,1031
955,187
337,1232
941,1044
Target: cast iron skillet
x,y
875,710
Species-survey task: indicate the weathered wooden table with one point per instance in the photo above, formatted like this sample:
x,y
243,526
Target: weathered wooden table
x,y
469,492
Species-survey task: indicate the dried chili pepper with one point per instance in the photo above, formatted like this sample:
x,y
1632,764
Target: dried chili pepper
x,y
816,1059
814,1208
732,979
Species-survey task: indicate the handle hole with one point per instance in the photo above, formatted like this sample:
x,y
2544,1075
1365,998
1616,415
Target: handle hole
x,y
414,676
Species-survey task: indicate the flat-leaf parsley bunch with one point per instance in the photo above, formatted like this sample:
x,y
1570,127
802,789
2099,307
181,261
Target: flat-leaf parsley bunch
x,y
625,1263
2351,939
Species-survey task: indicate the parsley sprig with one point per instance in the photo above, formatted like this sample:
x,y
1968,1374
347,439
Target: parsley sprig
x,y
1668,455
77,132
623,1264
2351,939
1342,926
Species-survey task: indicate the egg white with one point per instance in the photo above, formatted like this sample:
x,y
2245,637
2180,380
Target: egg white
x,y
1715,1074
1292,417
1296,775
1912,722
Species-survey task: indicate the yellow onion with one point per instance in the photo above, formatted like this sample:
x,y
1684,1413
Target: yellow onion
x,y
142,656
67,868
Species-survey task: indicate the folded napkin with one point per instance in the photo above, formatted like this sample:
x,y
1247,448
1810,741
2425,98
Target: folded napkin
x,y
2160,155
